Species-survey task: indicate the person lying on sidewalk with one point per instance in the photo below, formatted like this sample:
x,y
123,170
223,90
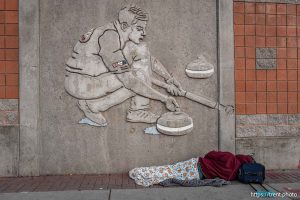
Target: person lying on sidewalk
x,y
216,168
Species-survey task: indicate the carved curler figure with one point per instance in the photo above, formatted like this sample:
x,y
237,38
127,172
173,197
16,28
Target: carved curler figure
x,y
110,64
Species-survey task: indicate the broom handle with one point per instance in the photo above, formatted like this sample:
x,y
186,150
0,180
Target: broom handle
x,y
191,96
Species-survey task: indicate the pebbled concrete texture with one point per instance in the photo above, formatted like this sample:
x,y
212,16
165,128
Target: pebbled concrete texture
x,y
277,125
178,31
266,58
9,109
9,104
266,53
266,64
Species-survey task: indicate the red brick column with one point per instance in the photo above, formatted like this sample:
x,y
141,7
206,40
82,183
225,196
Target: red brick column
x,y
9,50
270,25
9,65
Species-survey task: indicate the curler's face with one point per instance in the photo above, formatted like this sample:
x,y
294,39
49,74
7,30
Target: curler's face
x,y
138,31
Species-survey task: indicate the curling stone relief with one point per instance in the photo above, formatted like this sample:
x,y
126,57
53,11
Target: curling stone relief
x,y
175,123
199,68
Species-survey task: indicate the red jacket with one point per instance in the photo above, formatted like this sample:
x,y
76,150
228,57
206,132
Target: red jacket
x,y
224,165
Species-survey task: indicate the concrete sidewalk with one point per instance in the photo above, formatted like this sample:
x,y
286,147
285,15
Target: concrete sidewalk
x,y
234,191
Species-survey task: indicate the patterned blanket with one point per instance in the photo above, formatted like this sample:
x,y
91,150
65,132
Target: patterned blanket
x,y
147,176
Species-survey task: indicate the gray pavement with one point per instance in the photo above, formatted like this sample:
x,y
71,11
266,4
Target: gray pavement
x,y
63,195
234,191
287,188
240,192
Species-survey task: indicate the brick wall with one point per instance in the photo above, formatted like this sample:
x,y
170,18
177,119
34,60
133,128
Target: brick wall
x,y
9,44
9,66
267,25
267,81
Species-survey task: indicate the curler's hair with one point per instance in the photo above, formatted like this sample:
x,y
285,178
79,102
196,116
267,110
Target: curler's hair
x,y
139,13
131,14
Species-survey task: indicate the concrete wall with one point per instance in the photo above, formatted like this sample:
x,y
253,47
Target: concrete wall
x,y
9,137
178,31
272,139
267,99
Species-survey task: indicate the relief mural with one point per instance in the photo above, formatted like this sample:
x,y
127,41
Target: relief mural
x,y
111,64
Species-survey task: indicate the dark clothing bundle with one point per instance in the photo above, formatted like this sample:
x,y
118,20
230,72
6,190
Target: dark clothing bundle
x,y
224,165
252,173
